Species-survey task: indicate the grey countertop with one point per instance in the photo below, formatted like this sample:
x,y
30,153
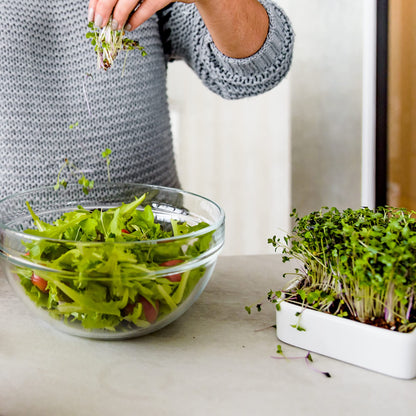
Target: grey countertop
x,y
215,360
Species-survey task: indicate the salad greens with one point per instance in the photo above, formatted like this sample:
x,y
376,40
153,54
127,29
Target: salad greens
x,y
108,42
92,270
358,264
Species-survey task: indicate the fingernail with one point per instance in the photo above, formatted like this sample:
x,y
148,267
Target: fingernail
x,y
98,21
127,27
90,14
114,24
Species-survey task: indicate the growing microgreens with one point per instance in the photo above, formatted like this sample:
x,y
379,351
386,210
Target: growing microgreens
x,y
358,264
108,42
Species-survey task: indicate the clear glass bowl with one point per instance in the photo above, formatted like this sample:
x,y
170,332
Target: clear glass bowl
x,y
139,286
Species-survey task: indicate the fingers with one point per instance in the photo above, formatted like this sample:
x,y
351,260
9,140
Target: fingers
x,y
91,10
146,9
100,11
103,11
122,12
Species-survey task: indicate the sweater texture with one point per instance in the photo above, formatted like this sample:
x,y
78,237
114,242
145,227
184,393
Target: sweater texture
x,y
49,81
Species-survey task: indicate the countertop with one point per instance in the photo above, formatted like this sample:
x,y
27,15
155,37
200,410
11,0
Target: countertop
x,y
215,360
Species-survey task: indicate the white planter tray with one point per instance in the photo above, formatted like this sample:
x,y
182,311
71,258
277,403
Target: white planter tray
x,y
377,349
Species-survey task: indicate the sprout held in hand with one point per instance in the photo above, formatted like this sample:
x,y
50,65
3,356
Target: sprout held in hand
x,y
108,42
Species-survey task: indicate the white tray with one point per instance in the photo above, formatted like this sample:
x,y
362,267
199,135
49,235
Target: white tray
x,y
382,350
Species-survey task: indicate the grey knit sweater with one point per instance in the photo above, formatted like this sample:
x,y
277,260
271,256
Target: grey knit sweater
x,y
45,57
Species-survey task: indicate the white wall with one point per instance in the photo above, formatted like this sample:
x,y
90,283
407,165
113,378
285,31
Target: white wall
x,y
368,154
236,153
326,103
297,146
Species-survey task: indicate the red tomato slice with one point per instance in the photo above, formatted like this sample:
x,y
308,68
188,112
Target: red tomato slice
x,y
39,282
171,263
150,312
177,277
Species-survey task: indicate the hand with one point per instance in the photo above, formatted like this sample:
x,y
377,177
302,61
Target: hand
x,y
237,27
128,13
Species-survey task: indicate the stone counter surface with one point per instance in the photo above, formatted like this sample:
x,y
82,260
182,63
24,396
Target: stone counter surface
x,y
215,360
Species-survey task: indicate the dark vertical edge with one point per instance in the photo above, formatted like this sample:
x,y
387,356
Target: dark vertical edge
x,y
381,103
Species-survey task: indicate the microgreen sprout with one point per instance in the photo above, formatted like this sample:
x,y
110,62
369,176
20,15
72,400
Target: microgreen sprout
x,y
258,308
86,184
358,264
60,182
72,126
298,327
106,155
266,327
307,358
108,42
271,297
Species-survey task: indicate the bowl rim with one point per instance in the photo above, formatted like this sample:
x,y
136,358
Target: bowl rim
x,y
211,227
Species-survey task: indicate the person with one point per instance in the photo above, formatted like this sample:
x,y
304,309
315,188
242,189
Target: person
x,y
55,104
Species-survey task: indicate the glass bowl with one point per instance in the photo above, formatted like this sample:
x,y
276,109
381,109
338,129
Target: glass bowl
x,y
118,285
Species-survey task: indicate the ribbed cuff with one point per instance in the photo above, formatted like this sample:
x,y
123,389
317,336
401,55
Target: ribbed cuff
x,y
277,45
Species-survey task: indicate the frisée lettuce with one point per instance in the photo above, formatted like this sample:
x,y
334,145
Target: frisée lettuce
x,y
91,269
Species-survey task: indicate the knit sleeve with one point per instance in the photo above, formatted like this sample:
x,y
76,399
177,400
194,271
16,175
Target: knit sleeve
x,y
186,37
